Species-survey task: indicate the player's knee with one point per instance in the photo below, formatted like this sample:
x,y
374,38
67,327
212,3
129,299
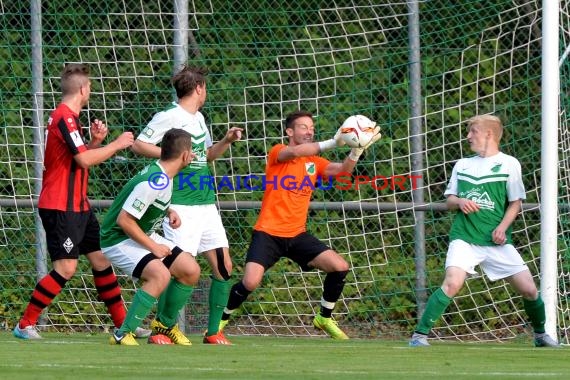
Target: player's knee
x,y
187,271
451,288
67,271
339,265
250,283
342,266
157,278
530,294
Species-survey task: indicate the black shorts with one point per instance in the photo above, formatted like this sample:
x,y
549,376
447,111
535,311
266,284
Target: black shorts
x,y
70,234
266,249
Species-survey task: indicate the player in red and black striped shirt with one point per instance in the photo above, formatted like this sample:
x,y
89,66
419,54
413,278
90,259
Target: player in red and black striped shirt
x,y
70,225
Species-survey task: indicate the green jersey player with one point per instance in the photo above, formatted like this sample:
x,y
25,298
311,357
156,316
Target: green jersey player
x,y
129,241
487,192
194,198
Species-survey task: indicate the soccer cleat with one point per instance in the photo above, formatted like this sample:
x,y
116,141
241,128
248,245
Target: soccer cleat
x,y
174,333
127,339
159,339
329,326
223,324
218,338
141,333
418,340
28,332
544,340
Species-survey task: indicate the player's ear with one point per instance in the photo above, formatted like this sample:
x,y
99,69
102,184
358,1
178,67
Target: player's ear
x,y
188,156
289,131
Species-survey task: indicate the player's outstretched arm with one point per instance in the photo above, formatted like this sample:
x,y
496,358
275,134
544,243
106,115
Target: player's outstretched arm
x,y
146,149
310,149
95,156
233,134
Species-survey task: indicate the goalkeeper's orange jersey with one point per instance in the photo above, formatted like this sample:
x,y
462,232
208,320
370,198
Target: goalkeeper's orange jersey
x,y
288,190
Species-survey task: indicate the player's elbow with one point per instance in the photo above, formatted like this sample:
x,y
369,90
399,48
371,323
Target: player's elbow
x,y
451,202
82,160
122,220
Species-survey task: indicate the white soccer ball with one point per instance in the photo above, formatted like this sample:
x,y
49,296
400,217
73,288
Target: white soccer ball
x,y
357,131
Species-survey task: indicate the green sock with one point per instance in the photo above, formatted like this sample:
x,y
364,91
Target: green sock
x,y
172,300
217,299
435,307
161,302
536,314
138,311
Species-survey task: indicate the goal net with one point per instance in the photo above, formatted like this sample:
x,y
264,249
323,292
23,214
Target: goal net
x,y
266,59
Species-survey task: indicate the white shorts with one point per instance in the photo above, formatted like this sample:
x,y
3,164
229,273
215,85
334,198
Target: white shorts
x,y
126,255
497,262
201,229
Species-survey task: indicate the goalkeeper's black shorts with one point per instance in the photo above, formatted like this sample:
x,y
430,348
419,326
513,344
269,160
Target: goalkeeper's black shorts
x,y
266,249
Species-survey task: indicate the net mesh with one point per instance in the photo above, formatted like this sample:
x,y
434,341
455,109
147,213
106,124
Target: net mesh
x,y
266,59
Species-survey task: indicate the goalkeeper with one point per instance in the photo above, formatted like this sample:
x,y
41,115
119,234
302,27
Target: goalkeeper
x,y
280,230
486,191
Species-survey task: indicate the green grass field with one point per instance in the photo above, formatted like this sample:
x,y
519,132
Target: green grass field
x,y
81,356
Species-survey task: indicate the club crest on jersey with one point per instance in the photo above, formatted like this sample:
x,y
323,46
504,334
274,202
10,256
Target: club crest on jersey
x,y
496,168
310,168
138,205
68,245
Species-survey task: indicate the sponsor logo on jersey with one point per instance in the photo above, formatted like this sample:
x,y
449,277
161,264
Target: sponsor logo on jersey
x,y
138,205
77,139
148,132
482,199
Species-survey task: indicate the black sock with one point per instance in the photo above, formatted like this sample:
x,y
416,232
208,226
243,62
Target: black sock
x,y
238,294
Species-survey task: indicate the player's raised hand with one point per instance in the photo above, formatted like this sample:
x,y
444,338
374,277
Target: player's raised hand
x,y
98,130
338,138
376,135
125,140
234,134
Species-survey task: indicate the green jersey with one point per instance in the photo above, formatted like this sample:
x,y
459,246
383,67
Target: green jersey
x,y
146,197
194,184
491,182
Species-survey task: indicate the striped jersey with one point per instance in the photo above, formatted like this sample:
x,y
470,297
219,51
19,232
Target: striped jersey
x,y
194,184
64,184
146,197
491,182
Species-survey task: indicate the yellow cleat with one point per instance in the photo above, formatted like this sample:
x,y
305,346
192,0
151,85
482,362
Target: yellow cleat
x,y
223,324
126,340
174,333
329,326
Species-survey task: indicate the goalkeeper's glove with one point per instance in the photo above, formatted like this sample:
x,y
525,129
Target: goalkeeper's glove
x,y
332,143
355,153
338,139
376,136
